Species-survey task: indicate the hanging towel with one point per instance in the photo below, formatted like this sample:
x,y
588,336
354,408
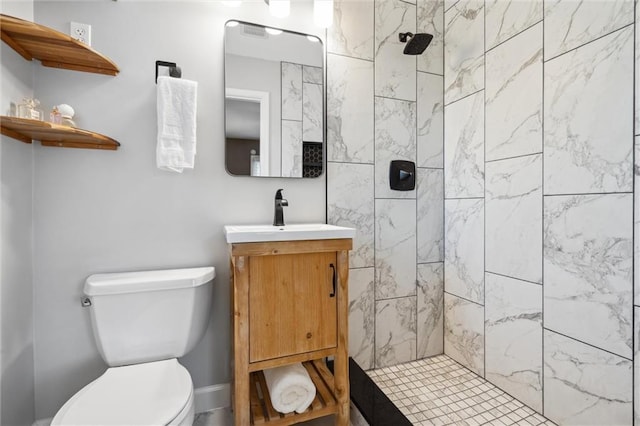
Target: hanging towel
x,y
177,100
290,388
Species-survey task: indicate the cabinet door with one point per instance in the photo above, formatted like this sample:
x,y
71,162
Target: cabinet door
x,y
292,306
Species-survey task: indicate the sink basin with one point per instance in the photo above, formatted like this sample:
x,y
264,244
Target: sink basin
x,y
307,231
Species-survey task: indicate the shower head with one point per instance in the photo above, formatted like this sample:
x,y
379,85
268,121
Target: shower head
x,y
416,43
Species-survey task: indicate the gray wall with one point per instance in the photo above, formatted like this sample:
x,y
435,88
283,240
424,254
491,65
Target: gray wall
x,y
383,105
539,202
114,211
16,233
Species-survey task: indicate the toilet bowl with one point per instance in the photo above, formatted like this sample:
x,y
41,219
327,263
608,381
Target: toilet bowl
x,y
142,322
154,393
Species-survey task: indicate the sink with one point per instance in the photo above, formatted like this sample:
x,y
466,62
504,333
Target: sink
x,y
305,231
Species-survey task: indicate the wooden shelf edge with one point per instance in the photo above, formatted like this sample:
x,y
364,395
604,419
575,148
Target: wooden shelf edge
x,y
53,48
325,402
288,359
49,134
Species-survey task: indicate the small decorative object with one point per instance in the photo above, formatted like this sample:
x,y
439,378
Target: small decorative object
x,y
66,113
55,117
255,163
29,109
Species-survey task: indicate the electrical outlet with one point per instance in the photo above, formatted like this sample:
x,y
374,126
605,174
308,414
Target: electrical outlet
x,y
80,32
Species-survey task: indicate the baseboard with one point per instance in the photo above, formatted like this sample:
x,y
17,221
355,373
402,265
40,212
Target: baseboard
x,y
211,397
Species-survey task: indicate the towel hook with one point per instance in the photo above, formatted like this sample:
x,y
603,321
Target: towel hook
x,y
174,69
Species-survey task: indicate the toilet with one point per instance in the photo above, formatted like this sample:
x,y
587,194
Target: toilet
x,y
142,322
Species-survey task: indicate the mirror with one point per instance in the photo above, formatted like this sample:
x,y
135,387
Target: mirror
x,y
274,102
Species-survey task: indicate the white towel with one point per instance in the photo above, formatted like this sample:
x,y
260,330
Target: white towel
x,y
177,100
290,388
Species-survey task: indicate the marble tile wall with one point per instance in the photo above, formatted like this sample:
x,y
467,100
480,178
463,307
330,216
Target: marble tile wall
x,y
522,131
539,203
302,112
513,333
584,384
383,105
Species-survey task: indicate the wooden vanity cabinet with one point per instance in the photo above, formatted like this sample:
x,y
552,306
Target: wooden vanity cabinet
x,y
290,304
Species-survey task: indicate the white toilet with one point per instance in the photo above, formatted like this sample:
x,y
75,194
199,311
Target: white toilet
x,y
142,322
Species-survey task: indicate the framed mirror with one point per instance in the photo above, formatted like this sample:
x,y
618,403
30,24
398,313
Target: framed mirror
x,y
274,102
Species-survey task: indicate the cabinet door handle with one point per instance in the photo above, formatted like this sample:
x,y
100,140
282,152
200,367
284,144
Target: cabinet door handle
x,y
333,270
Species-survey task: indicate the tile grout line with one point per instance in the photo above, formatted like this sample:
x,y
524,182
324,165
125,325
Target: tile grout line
x,y
588,344
542,222
634,362
444,217
484,187
374,361
590,41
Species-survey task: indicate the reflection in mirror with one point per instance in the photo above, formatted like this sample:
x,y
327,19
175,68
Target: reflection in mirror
x,y
274,94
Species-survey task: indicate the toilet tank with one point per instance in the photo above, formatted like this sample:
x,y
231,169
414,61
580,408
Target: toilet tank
x,y
151,315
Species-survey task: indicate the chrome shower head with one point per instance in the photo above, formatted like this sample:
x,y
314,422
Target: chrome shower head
x,y
416,43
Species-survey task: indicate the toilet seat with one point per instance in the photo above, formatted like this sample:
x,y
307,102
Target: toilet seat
x,y
153,393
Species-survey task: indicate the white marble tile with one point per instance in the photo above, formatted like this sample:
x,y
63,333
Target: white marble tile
x,y
350,110
361,316
463,49
636,366
464,332
312,74
588,118
395,139
448,4
637,77
395,71
431,21
505,19
430,309
570,23
352,31
430,106
584,385
513,338
464,248
464,148
514,96
430,215
312,125
514,217
291,149
636,229
395,248
588,256
350,203
291,91
395,331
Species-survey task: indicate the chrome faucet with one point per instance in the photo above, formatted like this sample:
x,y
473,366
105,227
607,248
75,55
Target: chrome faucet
x,y
278,217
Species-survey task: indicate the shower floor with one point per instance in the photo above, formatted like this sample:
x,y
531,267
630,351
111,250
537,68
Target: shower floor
x,y
439,391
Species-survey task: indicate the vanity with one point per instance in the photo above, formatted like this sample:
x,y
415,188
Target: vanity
x,y
290,305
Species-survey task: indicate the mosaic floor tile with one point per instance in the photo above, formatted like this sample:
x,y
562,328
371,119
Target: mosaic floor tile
x,y
439,391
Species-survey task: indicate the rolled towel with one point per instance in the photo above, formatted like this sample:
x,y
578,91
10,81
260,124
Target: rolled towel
x,y
290,388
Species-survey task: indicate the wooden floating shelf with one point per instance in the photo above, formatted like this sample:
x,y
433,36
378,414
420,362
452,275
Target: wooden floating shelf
x,y
325,402
49,134
52,48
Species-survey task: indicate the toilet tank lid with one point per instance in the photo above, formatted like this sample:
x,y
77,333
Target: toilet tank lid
x,y
135,282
